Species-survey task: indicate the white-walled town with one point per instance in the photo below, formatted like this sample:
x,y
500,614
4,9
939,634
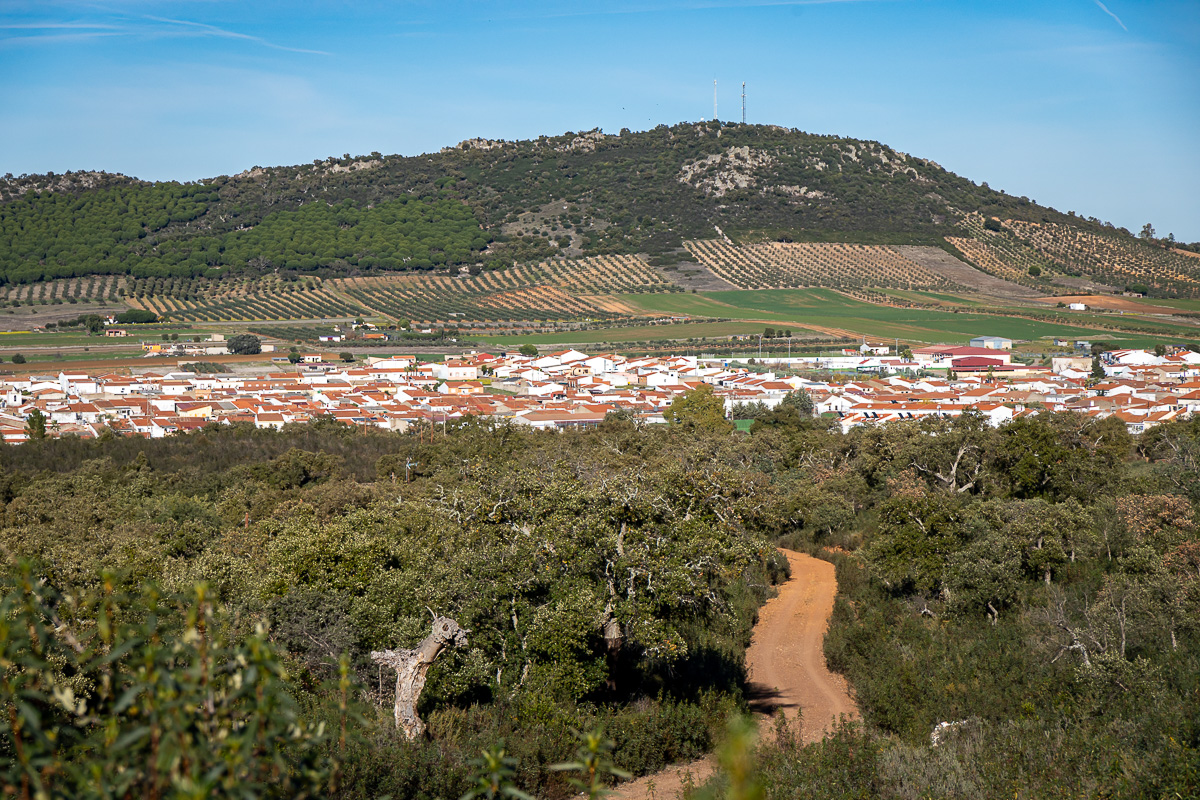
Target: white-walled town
x,y
575,389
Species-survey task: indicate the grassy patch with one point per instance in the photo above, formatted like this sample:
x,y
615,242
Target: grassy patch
x,y
32,339
635,334
826,308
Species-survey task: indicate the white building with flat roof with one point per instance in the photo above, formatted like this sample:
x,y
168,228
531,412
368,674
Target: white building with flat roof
x,y
992,343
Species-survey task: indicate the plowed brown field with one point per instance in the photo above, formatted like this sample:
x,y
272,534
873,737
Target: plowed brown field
x,y
1111,302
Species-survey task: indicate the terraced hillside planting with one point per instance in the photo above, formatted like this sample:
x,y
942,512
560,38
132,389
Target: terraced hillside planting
x,y
956,270
1115,259
230,301
791,265
430,300
999,253
88,289
554,290
293,333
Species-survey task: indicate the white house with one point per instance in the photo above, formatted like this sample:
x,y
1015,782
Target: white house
x,y
996,413
1132,358
599,365
456,371
539,389
836,403
77,383
662,379
547,361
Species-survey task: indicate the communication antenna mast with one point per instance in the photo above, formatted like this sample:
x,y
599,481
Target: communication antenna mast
x,y
743,102
714,99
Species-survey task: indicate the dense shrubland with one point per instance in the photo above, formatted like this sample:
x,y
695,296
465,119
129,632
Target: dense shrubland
x,y
1039,582
531,542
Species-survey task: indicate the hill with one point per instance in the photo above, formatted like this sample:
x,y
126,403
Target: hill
x,y
553,229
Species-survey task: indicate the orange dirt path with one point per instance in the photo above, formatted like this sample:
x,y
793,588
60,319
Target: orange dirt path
x,y
787,654
786,663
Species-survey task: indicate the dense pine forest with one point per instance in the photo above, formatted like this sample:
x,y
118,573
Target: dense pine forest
x,y
195,615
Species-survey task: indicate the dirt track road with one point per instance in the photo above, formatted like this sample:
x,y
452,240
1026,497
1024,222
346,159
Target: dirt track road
x,y
786,658
786,662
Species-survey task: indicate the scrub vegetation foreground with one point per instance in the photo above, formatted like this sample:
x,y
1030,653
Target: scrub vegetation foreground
x,y
194,616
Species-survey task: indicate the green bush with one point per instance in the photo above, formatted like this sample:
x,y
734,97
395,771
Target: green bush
x,y
144,696
136,316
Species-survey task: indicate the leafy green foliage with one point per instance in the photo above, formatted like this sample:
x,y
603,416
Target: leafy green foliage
x,y
593,765
244,344
494,776
35,425
159,230
1039,582
136,316
117,696
513,533
698,410
1047,624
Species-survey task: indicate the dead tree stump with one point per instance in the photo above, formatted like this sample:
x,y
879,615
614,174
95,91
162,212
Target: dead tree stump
x,y
411,668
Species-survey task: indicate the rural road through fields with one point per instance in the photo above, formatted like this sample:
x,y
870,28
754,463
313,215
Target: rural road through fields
x,y
786,663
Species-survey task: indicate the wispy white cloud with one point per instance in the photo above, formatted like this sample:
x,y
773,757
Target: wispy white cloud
x,y
57,38
55,32
1104,8
205,29
636,8
54,26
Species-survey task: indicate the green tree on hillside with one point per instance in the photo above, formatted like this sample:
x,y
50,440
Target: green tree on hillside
x,y
699,410
800,400
244,344
35,423
136,316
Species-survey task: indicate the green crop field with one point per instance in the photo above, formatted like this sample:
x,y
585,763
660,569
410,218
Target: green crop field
x,y
1165,305
699,305
826,308
936,297
1130,323
56,357
640,333
72,339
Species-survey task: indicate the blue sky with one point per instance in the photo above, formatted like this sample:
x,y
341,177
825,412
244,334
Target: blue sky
x,y
1081,105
